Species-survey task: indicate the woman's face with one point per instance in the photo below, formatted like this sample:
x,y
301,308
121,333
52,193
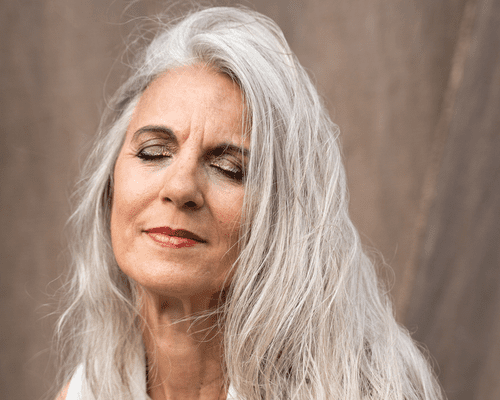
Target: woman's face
x,y
178,184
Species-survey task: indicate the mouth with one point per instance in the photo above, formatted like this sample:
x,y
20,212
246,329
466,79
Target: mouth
x,y
174,237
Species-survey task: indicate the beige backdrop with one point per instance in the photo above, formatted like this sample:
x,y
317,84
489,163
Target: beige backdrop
x,y
415,88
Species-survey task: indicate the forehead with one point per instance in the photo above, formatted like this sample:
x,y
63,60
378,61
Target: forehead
x,y
190,98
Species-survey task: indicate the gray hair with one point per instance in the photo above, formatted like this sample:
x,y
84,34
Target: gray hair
x,y
305,317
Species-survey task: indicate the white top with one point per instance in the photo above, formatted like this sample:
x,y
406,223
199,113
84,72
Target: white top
x,y
138,385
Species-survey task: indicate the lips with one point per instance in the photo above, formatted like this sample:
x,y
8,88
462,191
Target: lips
x,y
175,238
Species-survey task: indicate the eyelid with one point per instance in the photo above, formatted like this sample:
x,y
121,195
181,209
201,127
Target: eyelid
x,y
152,151
220,161
231,169
219,156
156,146
155,141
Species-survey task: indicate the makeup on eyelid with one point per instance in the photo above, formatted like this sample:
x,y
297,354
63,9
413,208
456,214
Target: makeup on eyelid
x,y
219,158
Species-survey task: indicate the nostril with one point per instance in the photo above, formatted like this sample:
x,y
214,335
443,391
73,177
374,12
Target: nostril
x,y
190,204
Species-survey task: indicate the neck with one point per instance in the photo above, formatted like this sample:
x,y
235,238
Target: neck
x,y
184,356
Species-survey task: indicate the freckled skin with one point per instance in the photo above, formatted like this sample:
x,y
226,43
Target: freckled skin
x,y
184,190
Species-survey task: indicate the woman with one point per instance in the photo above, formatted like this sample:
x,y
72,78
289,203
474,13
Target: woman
x,y
213,253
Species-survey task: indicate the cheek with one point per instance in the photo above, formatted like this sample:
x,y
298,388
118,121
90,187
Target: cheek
x,y
228,216
131,194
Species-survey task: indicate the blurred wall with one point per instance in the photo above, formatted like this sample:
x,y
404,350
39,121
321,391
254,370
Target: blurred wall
x,y
415,88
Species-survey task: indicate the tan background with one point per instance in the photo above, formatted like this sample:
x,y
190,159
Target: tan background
x,y
415,88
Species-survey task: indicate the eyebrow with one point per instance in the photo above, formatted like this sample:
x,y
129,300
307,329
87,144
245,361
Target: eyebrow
x,y
157,129
169,133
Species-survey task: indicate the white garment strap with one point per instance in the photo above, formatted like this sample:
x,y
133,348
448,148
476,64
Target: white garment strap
x,y
137,383
75,385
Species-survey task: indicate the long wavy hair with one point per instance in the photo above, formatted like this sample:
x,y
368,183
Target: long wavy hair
x,y
304,317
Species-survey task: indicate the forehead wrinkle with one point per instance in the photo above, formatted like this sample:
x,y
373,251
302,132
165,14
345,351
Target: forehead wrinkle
x,y
197,124
206,120
208,114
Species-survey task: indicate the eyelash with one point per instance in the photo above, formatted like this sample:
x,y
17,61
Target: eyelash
x,y
150,154
147,155
235,173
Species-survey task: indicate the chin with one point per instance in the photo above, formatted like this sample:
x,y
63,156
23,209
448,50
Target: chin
x,y
175,284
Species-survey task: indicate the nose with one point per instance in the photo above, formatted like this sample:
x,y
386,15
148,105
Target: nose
x,y
180,184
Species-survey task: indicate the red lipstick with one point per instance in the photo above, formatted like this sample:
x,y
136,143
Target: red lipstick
x,y
174,238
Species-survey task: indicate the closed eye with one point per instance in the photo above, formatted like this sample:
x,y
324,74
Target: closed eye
x,y
154,153
227,159
228,169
